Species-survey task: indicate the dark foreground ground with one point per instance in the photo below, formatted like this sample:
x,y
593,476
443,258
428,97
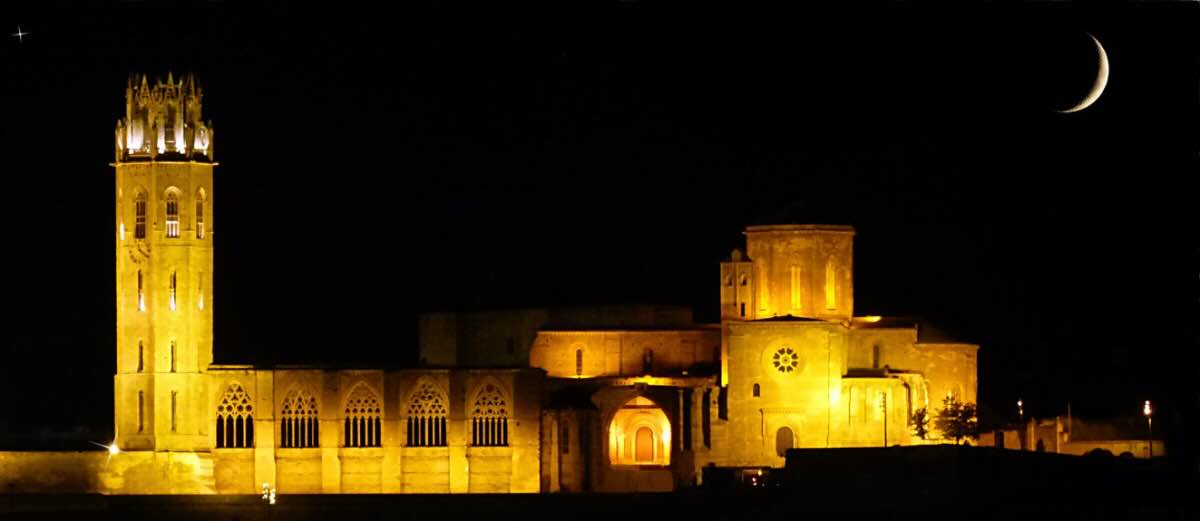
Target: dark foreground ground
x,y
931,482
688,505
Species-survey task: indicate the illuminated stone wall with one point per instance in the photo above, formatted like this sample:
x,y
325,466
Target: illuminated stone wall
x,y
814,383
798,270
164,331
797,366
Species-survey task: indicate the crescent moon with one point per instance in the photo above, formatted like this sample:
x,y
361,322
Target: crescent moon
x,y
1098,86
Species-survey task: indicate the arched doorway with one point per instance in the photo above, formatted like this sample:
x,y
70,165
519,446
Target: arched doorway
x,y
784,440
639,434
645,445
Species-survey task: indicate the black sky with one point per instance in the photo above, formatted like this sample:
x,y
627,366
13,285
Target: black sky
x,y
377,163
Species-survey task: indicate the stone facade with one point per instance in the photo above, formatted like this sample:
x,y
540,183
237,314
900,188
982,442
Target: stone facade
x,y
624,398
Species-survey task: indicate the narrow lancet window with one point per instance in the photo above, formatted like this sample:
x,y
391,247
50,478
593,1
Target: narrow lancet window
x,y
172,215
141,356
174,425
141,411
830,285
172,292
172,356
200,214
141,292
578,362
795,280
139,211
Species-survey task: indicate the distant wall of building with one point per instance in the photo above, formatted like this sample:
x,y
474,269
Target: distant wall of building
x,y
589,354
1067,435
502,338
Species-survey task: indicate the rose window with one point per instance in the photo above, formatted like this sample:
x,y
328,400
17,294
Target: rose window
x,y
785,360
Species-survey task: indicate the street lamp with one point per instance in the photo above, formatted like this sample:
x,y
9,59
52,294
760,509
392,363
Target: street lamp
x,y
1021,412
1147,411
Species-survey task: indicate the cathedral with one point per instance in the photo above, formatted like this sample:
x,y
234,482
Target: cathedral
x,y
616,398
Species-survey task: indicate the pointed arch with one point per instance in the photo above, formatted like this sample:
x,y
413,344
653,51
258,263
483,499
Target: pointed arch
x,y
201,199
426,415
172,212
235,418
363,421
489,416
299,423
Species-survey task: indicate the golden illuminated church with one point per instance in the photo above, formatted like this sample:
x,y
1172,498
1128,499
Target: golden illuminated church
x,y
529,400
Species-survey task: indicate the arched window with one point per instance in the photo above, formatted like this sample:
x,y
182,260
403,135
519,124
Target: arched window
x,y
171,292
172,356
489,419
141,295
578,362
299,426
427,416
200,290
172,215
174,425
235,419
744,280
757,391
200,199
363,424
648,361
794,273
830,284
784,440
141,356
139,216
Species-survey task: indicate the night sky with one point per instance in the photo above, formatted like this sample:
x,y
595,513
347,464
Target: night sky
x,y
376,164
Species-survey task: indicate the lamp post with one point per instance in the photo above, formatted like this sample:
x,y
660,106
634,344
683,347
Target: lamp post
x,y
1021,412
1147,411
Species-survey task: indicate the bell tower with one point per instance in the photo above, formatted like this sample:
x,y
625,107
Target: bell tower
x,y
163,235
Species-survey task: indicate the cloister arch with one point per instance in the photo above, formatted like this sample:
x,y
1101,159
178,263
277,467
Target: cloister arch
x,y
639,434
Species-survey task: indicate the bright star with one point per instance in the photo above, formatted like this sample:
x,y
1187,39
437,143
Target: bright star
x,y
20,34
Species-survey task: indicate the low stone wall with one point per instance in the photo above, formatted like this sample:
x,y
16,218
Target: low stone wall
x,y
98,472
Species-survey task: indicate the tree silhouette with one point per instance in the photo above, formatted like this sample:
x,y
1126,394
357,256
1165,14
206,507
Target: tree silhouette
x,y
920,423
957,420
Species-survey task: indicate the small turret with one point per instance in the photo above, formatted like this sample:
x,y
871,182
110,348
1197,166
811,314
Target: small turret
x,y
163,121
